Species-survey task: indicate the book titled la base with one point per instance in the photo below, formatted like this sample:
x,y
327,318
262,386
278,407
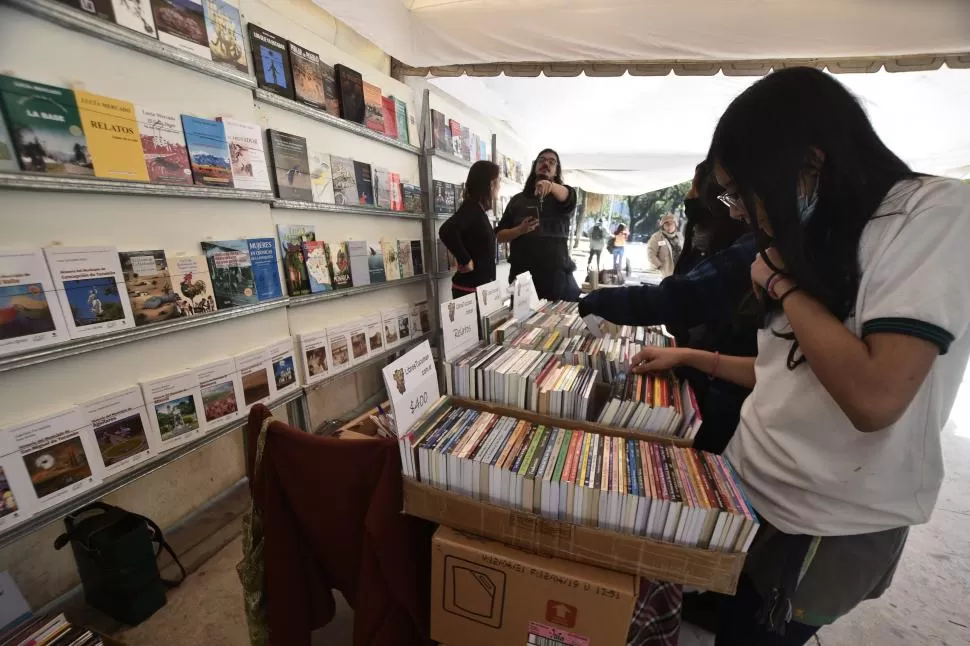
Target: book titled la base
x,y
120,426
175,409
91,289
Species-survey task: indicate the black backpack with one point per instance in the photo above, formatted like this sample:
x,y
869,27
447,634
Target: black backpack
x,y
596,233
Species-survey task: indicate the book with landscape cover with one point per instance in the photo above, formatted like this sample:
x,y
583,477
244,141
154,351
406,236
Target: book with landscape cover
x,y
163,147
149,286
175,410
232,273
271,61
390,116
133,14
375,333
181,23
247,156
373,107
45,127
223,26
32,315
282,363
266,273
112,134
307,76
340,265
401,112
466,143
344,181
7,160
441,132
15,485
254,372
350,85
321,179
413,203
382,188
357,334
365,183
417,257
91,289
317,266
119,423
330,89
375,264
455,128
404,258
390,320
291,167
392,266
359,265
397,200
221,388
338,341
208,151
292,237
313,349
420,318
190,279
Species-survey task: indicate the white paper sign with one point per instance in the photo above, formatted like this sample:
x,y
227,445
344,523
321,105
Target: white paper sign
x,y
412,383
490,297
525,299
459,325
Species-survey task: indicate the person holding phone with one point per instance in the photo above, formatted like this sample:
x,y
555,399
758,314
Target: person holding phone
x,y
536,224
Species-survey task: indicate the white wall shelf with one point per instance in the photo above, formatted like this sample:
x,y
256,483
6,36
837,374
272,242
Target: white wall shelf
x,y
297,301
345,210
67,184
77,20
373,361
454,159
323,116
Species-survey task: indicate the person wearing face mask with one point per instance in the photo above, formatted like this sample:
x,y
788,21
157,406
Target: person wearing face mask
x,y
536,224
866,338
664,246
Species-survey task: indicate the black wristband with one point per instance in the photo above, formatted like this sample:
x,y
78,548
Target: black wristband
x,y
781,299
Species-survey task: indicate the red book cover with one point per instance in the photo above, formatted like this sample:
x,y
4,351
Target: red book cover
x,y
397,198
390,116
455,137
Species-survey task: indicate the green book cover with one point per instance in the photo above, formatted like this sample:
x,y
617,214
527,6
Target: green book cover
x,y
401,110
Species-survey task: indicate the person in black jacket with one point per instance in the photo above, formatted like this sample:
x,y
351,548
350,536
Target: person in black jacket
x,y
468,233
707,304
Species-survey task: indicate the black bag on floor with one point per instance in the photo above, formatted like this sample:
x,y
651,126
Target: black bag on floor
x,y
116,552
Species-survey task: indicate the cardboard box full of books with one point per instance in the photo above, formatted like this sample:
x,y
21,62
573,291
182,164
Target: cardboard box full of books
x,y
486,593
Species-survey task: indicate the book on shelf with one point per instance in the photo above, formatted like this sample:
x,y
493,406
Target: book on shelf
x,y
271,61
441,192
254,374
32,311
374,329
359,254
483,150
412,196
397,325
175,409
163,147
190,279
149,286
282,361
338,343
314,356
56,142
390,116
375,263
114,143
344,181
401,116
8,160
266,273
220,387
441,132
291,167
455,128
321,178
373,107
307,76
466,143
392,265
223,25
350,85
292,238
317,266
120,426
452,197
208,151
181,24
365,183
420,318
247,155
330,90
382,188
404,258
91,288
474,147
417,257
135,15
340,265
231,271
103,9
15,485
357,333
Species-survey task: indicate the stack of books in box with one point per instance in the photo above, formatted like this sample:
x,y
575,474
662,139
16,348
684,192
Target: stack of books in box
x,y
654,404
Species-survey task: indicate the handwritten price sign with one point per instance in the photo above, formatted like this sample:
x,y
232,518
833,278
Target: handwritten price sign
x,y
459,325
412,383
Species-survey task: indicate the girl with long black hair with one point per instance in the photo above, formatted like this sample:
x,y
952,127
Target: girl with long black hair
x,y
863,273
468,234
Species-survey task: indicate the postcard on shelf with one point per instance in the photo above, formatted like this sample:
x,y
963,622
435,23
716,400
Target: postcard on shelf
x,y
417,257
208,151
404,258
8,162
221,388
292,237
330,89
397,200
365,183
313,352
321,179
338,341
382,188
307,76
223,26
350,86
397,325
16,497
392,266
359,254
113,138
232,273
401,113
254,371
181,23
175,409
271,61
375,264
266,269
57,452
317,266
57,144
283,367
390,116
149,286
163,147
91,289
344,181
120,425
374,328
247,156
291,168
30,308
190,279
340,265
135,15
420,319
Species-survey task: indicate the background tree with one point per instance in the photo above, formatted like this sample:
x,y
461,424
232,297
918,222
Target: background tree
x,y
647,209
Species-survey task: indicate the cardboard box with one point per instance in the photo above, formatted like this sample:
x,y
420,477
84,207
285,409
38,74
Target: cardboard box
x,y
484,593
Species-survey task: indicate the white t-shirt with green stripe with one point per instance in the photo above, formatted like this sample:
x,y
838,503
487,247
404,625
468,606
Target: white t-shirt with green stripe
x,y
805,467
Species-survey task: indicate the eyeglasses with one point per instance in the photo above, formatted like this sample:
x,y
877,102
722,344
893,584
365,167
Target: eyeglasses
x,y
548,160
731,200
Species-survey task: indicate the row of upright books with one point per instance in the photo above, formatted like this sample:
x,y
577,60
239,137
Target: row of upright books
x,y
48,630
449,136
651,489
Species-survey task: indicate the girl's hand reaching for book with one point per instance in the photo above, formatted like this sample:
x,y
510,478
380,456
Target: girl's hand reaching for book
x,y
653,359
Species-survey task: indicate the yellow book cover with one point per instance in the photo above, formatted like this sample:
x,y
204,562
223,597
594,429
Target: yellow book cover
x,y
113,139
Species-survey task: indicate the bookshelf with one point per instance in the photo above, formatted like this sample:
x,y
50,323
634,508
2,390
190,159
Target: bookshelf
x,y
64,184
79,21
344,210
373,361
454,159
297,301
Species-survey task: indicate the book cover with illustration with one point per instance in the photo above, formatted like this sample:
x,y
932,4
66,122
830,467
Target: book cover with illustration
x,y
441,132
455,128
405,324
330,90
313,354
373,107
57,452
307,76
321,179
102,9
247,155
181,23
338,343
113,138
254,373
119,423
193,284
163,147
365,183
91,289
382,188
135,15
149,286
339,265
7,160
221,388
317,266
441,191
175,410
45,127
359,266
357,335
390,116
16,499
344,181
389,319
266,271
413,202
291,167
375,264
292,237
271,61
417,257
231,271
392,265
397,200
466,143
350,85
452,197
404,258
374,328
30,310
282,363
401,113
208,151
223,27
420,319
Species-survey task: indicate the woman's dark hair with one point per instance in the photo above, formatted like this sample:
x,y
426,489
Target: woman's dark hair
x,y
530,183
712,216
478,184
620,229
792,121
